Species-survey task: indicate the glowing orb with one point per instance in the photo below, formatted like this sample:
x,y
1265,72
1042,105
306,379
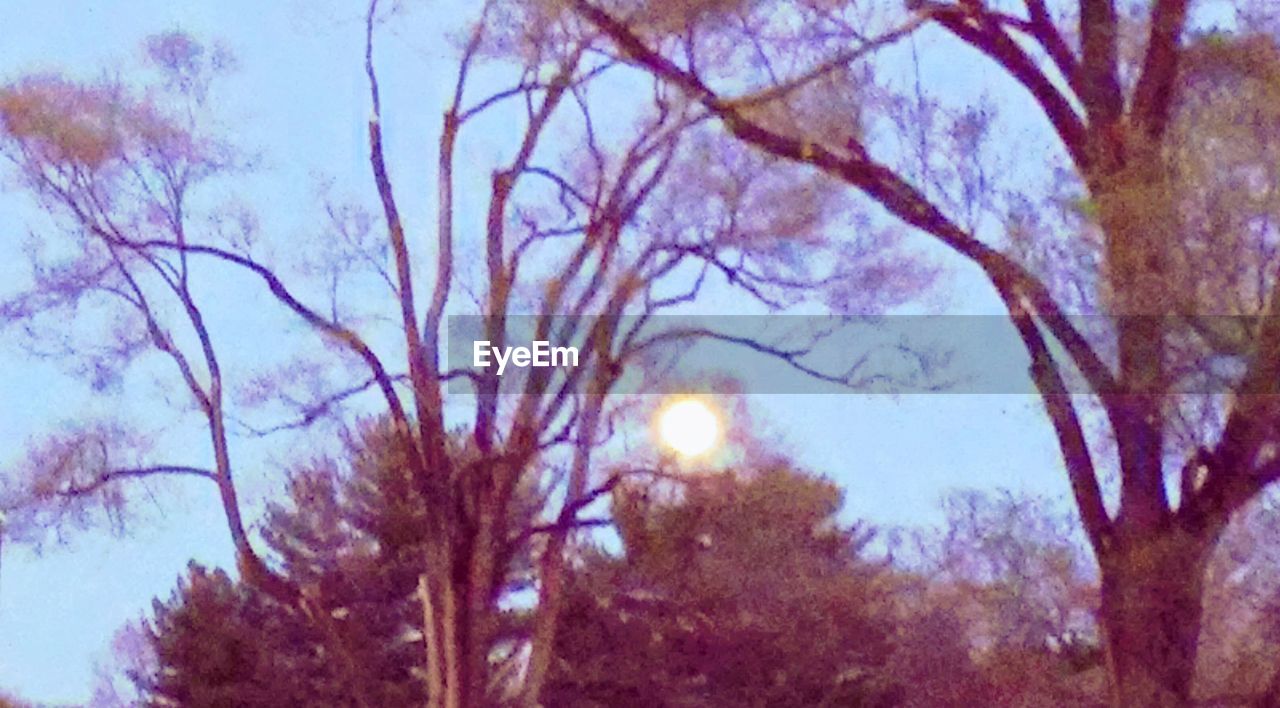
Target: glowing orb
x,y
689,427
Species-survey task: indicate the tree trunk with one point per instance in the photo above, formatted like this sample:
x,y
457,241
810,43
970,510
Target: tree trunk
x,y
1152,594
446,634
457,595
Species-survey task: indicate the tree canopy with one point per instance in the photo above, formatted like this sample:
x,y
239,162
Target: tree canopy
x,y
1106,170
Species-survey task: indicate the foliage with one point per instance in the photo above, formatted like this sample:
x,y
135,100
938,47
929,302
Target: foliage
x,y
350,545
1240,645
743,589
737,589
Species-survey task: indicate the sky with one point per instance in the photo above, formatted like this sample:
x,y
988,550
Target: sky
x,y
298,96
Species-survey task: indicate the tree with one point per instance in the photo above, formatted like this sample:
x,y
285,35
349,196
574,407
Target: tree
x,y
733,588
1125,130
143,243
132,661
345,541
742,589
1009,567
352,546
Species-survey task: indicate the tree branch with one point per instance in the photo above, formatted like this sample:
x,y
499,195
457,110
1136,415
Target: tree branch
x,y
109,476
278,289
1066,426
1099,78
981,31
1042,28
315,410
782,89
1153,96
426,395
882,185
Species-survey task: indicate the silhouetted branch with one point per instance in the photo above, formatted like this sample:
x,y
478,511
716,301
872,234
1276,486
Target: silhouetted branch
x,y
105,478
317,409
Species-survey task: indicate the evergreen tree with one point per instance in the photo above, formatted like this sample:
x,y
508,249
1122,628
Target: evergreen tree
x,y
742,591
347,537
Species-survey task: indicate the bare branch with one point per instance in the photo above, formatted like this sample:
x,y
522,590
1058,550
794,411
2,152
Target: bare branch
x,y
421,369
1066,425
883,185
277,287
110,476
1099,77
1042,28
780,90
985,34
1153,96
318,409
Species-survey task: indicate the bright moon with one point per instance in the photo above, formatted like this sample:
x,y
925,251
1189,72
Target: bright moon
x,y
689,427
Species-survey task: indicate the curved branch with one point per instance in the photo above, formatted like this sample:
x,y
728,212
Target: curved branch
x,y
105,478
881,184
338,332
1066,426
1041,27
317,409
987,36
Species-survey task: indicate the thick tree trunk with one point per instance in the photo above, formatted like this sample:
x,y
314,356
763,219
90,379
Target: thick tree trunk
x,y
1152,594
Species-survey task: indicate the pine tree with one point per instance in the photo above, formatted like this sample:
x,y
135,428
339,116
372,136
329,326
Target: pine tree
x,y
348,541
742,591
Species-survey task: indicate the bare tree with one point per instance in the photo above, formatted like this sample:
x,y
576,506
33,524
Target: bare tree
x,y
1136,127
581,228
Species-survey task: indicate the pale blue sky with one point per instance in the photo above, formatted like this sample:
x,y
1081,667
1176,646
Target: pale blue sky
x,y
299,96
